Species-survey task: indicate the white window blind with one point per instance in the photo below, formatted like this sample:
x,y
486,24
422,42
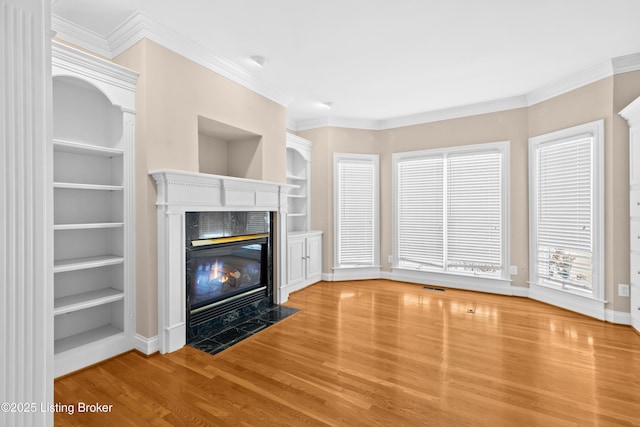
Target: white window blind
x,y
450,210
421,212
564,212
474,211
356,210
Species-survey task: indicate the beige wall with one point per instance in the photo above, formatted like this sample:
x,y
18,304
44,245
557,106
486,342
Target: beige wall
x,y
326,142
583,105
172,92
502,126
600,100
213,154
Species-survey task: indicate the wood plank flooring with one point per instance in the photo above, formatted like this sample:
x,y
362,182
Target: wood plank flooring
x,y
382,353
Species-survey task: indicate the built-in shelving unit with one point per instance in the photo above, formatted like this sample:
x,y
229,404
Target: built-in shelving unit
x,y
93,129
298,175
304,246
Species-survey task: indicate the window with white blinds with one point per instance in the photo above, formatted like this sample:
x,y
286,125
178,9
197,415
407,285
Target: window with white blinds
x,y
420,219
474,212
451,210
565,201
356,210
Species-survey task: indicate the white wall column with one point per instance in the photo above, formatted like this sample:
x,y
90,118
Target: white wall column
x,y
26,272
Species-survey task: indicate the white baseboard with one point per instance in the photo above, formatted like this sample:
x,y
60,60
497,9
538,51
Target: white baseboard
x,y
147,346
340,274
478,284
519,291
618,317
579,304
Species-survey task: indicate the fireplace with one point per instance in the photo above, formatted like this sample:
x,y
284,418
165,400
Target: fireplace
x,y
228,264
180,193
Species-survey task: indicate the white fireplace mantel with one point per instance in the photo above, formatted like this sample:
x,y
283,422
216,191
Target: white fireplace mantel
x,y
180,192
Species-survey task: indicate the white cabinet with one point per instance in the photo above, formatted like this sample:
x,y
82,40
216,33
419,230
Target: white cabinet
x,y
304,259
632,114
93,131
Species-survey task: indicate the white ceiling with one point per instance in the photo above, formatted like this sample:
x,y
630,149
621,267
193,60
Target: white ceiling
x,y
383,59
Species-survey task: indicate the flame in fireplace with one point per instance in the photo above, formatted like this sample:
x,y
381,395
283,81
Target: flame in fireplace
x,y
215,271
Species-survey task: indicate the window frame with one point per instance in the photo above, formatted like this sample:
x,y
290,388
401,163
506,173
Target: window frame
x,y
356,271
596,130
444,276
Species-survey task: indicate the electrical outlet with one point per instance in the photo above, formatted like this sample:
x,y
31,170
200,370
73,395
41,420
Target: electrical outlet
x,y
623,290
513,270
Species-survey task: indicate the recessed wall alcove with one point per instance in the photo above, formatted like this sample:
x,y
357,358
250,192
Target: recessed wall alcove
x,y
227,150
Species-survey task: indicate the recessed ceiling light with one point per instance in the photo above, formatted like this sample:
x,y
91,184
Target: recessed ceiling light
x,y
258,60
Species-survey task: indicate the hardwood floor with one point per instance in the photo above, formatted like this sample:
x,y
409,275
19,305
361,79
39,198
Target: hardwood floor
x,y
382,353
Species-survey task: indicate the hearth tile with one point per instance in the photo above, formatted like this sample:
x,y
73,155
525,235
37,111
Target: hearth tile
x,y
254,325
230,336
217,334
277,313
231,317
209,346
205,329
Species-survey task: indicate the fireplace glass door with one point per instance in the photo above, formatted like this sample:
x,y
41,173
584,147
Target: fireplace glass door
x,y
217,272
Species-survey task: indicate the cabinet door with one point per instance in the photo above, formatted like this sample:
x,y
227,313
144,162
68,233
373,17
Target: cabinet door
x,y
314,254
296,260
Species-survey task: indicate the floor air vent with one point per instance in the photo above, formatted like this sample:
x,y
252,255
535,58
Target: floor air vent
x,y
430,288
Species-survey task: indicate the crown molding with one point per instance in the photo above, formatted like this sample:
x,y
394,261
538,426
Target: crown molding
x,y
456,112
139,26
346,122
627,63
572,82
618,65
414,119
337,122
80,36
68,58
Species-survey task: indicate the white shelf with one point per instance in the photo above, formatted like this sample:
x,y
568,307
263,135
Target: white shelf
x,y
59,227
81,148
84,263
93,198
75,186
84,300
88,337
297,177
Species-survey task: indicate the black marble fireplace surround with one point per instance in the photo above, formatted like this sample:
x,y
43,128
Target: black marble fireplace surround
x,y
229,268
